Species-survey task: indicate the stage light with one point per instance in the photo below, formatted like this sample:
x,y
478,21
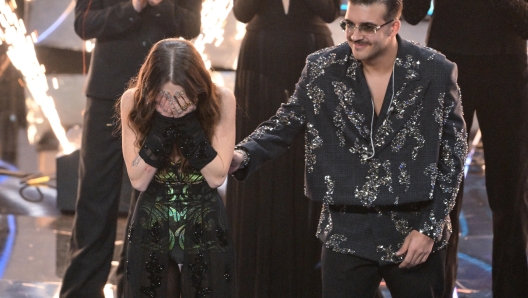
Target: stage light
x,y
214,15
21,52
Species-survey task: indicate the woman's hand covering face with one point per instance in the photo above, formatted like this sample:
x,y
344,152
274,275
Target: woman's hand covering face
x,y
173,102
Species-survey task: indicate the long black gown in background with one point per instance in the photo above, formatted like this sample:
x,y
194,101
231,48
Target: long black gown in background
x,y
493,79
273,222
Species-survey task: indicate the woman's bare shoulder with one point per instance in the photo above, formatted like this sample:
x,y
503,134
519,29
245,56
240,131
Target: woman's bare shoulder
x,y
127,99
226,95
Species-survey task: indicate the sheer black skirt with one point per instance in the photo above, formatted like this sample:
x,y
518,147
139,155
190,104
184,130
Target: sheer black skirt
x,y
180,223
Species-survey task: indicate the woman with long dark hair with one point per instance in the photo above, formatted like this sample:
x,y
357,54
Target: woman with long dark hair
x,y
178,132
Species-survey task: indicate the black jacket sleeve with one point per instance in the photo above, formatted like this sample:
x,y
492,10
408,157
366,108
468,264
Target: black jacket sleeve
x,y
95,20
274,136
182,16
449,172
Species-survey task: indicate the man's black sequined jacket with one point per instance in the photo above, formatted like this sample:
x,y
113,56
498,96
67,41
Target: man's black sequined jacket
x,y
420,142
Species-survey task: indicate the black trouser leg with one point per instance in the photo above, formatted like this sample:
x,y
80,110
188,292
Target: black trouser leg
x,y
94,226
349,276
421,281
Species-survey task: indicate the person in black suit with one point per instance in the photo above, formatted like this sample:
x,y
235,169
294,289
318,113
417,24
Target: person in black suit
x,y
487,40
124,31
385,145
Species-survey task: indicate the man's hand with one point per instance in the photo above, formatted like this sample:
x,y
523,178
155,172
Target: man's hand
x,y
418,247
139,5
235,162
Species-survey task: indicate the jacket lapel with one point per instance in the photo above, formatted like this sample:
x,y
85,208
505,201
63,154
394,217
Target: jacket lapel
x,y
354,109
353,115
357,105
409,90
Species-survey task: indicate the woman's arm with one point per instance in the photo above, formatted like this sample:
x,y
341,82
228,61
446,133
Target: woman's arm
x,y
223,140
139,173
328,10
245,10
415,10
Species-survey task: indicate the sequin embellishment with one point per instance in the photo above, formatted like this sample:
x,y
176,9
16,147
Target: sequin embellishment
x,y
335,242
310,145
370,190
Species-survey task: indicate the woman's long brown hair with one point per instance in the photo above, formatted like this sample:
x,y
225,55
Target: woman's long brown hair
x,y
175,61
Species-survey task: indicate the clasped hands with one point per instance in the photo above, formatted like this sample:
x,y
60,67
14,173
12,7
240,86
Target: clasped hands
x,y
174,105
140,4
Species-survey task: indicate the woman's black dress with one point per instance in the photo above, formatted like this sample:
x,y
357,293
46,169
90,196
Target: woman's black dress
x,y
179,219
273,223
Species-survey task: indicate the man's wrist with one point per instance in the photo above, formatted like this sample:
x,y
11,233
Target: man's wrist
x,y
245,156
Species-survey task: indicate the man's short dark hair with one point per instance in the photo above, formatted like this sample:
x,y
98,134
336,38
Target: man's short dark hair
x,y
394,7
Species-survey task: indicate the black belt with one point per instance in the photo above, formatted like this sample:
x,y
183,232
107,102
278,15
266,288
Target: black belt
x,y
410,207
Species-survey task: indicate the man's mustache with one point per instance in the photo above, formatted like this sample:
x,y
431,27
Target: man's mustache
x,y
360,42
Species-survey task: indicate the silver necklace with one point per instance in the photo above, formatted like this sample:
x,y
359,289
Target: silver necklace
x,y
373,111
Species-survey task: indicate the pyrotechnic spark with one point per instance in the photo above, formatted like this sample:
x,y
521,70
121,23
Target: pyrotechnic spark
x,y
214,15
21,52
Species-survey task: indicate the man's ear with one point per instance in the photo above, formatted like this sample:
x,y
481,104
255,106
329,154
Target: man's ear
x,y
395,27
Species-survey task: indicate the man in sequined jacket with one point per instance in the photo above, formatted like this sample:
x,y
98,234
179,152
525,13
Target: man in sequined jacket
x,y
385,149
